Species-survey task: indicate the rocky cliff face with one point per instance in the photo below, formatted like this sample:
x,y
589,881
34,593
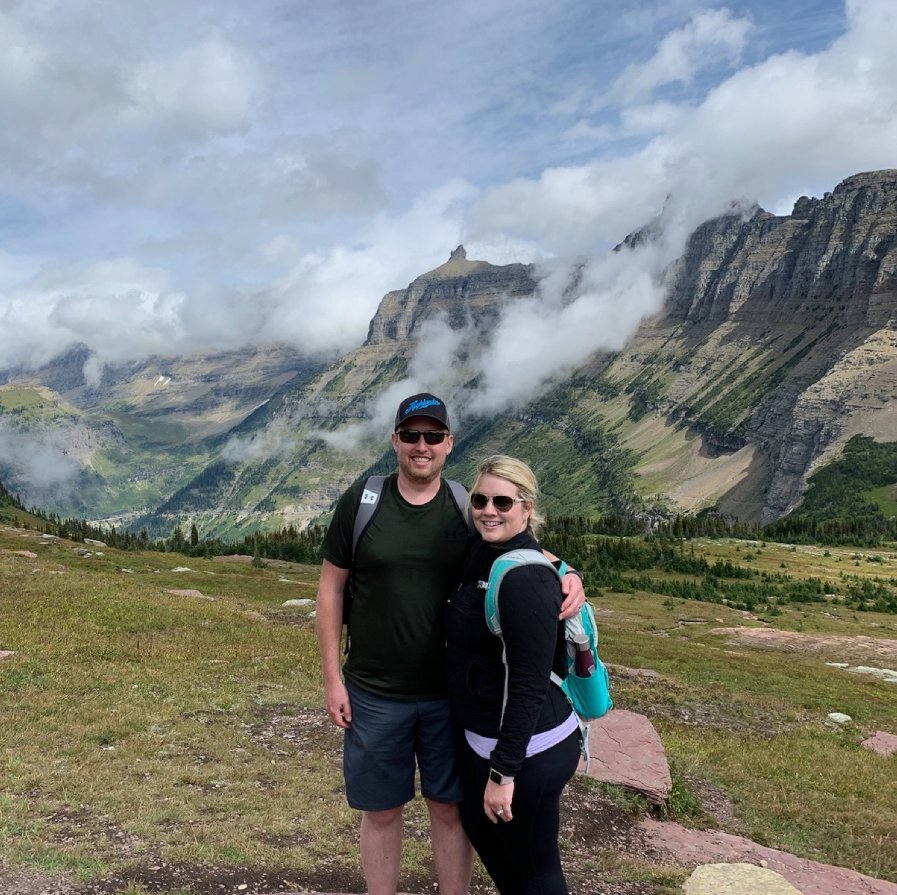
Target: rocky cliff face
x,y
832,258
786,326
463,292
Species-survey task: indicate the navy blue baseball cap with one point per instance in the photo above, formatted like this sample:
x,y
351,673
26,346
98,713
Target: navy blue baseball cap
x,y
423,404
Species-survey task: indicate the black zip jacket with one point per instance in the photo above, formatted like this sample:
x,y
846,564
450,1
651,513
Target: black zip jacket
x,y
529,600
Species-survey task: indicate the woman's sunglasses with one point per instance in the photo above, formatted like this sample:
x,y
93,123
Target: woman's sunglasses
x,y
501,502
412,436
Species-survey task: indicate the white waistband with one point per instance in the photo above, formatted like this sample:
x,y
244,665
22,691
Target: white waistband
x,y
538,742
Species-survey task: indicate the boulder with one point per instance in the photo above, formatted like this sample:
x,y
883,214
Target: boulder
x,y
189,592
26,553
625,750
736,879
6,653
299,603
839,718
884,744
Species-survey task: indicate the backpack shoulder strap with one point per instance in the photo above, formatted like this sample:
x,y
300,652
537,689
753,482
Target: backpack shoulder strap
x,y
460,499
364,513
367,507
502,565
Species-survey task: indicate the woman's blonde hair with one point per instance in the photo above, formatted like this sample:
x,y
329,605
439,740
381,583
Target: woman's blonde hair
x,y
521,477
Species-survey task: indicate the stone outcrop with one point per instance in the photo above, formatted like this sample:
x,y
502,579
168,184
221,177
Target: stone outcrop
x,y
303,476
625,750
775,346
835,257
463,292
882,743
736,879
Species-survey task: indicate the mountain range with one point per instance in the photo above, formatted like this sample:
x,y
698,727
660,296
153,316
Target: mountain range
x,y
774,345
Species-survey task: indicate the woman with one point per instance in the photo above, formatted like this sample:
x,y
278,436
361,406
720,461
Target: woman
x,y
513,766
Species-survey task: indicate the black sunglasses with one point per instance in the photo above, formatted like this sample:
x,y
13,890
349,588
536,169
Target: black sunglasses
x,y
412,436
501,502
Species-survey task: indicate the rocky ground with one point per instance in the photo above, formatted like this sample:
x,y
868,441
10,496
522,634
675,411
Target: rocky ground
x,y
588,819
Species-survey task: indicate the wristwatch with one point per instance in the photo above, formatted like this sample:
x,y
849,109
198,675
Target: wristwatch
x,y
499,778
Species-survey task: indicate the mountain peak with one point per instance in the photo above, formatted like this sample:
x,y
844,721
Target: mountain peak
x,y
458,264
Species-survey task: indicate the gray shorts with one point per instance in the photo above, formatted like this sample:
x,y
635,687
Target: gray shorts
x,y
387,740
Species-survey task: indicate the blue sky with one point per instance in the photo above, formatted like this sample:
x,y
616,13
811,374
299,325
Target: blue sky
x,y
187,176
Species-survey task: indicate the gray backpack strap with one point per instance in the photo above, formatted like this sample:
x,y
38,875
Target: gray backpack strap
x,y
461,500
370,500
367,507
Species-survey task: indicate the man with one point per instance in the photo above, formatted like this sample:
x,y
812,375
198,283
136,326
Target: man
x,y
392,704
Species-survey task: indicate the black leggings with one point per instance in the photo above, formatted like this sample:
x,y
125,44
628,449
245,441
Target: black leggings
x,y
522,855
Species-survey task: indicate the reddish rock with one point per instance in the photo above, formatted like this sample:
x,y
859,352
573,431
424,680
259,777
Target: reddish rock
x,y
692,847
883,743
26,553
625,750
5,654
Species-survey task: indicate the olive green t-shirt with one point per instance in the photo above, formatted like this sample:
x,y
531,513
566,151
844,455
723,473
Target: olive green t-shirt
x,y
406,564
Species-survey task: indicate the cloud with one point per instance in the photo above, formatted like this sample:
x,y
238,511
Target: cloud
x,y
116,307
436,367
545,337
276,440
211,86
40,469
761,133
712,37
769,131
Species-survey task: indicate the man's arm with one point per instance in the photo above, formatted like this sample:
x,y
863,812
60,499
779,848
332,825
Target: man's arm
x,y
329,628
572,589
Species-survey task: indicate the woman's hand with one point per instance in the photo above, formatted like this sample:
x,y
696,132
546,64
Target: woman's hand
x,y
497,801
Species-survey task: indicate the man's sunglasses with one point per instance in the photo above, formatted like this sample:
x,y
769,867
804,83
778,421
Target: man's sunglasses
x,y
412,436
501,502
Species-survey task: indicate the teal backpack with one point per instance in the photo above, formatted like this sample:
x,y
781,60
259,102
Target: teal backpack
x,y
588,693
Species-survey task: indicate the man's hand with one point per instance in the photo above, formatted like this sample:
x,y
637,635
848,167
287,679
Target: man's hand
x,y
574,596
336,700
329,625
